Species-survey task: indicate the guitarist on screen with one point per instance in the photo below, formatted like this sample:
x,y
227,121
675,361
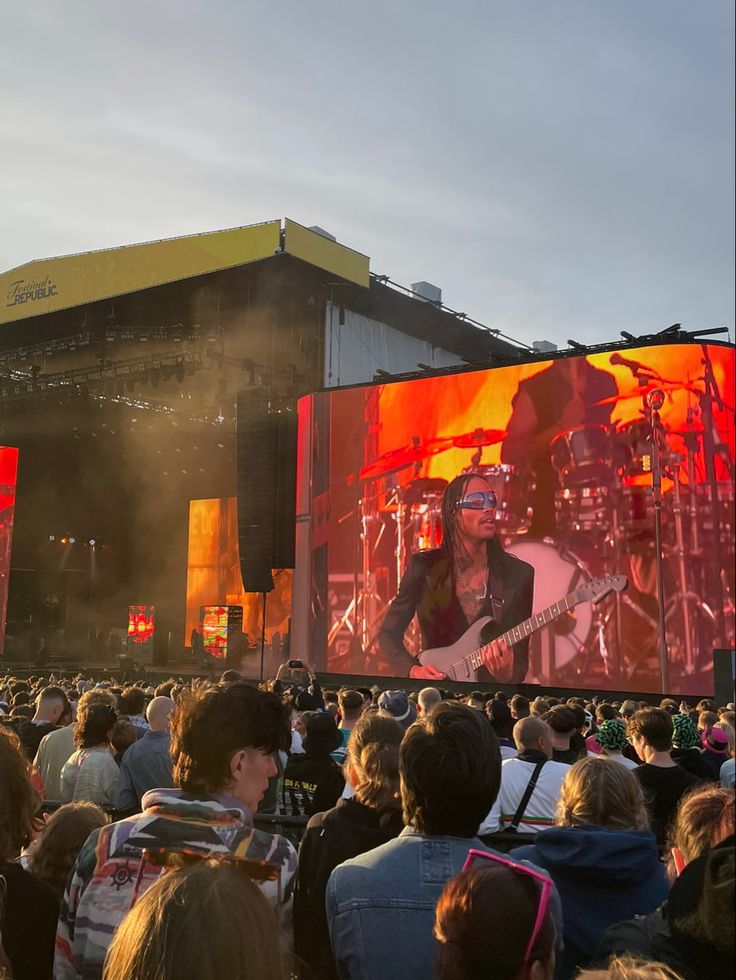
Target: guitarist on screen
x,y
450,587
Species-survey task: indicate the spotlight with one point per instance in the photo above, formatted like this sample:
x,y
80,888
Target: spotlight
x,y
92,542
52,537
72,540
63,540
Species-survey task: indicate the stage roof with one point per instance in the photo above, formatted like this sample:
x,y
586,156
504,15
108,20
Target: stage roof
x,y
47,285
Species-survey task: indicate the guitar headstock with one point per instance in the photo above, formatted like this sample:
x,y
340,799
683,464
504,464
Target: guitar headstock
x,y
598,588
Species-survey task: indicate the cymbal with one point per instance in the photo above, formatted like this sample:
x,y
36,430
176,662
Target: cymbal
x,y
398,459
417,491
478,437
643,390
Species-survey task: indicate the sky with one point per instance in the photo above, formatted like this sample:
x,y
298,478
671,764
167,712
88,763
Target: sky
x,y
560,168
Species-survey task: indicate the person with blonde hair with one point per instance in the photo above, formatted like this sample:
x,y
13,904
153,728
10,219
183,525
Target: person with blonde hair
x,y
628,968
371,817
601,855
206,922
701,866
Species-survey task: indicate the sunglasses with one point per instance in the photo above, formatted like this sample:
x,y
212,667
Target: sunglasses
x,y
475,856
170,859
478,500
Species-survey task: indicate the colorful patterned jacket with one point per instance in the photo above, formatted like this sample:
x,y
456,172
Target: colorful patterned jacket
x,y
109,874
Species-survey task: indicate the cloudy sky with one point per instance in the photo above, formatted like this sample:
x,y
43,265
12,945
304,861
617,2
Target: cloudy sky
x,y
561,168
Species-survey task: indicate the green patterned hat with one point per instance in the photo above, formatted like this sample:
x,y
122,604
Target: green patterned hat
x,y
612,735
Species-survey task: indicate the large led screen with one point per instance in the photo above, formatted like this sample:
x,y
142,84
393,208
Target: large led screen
x,y
566,447
8,474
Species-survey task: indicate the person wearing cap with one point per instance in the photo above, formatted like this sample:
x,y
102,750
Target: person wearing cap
x,y
612,739
663,781
715,748
396,704
686,749
312,781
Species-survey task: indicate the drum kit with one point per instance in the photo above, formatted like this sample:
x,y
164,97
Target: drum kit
x,y
604,522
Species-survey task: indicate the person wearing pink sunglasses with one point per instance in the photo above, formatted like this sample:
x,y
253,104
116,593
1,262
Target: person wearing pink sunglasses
x,y
495,919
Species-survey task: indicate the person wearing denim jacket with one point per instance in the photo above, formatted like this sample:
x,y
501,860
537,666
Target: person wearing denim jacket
x,y
380,905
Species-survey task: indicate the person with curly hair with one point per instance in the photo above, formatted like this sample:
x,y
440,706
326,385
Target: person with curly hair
x,y
601,855
54,852
28,919
91,773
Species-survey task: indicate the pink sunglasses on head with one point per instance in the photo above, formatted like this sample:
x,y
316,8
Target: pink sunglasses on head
x,y
546,883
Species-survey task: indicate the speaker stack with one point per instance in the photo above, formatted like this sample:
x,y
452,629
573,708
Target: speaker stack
x,y
266,476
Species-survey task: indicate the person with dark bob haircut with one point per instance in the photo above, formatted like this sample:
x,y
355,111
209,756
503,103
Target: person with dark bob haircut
x,y
663,781
223,741
380,906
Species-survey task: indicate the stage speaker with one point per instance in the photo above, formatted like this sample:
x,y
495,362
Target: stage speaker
x,y
724,676
266,471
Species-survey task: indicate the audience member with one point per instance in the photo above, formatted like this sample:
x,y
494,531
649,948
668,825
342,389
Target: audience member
x,y
495,920
53,710
611,738
200,923
55,850
563,726
663,781
312,780
427,699
519,707
686,750
124,734
30,907
628,968
728,773
133,706
380,906
90,774
356,825
530,783
223,739
704,820
715,748
396,704
499,715
146,764
601,855
351,708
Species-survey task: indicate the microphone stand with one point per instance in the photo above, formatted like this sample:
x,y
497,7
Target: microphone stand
x,y
655,400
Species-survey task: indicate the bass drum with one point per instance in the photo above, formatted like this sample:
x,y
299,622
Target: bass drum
x,y
556,573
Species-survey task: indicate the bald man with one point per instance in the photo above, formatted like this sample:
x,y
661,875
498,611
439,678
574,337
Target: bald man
x,y
428,698
534,741
147,763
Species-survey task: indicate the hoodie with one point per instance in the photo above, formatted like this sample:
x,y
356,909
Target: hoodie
x,y
110,872
603,876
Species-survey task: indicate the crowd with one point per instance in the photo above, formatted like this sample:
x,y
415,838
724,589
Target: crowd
x,y
218,829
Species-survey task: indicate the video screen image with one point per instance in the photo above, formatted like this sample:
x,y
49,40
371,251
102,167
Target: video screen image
x,y
141,625
565,449
8,475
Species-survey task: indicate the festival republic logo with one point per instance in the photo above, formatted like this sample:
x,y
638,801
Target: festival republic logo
x,y
29,290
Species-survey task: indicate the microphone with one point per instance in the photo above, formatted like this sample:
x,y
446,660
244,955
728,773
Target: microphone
x,y
634,366
655,399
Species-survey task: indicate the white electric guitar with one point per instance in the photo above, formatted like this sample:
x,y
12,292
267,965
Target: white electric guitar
x,y
461,660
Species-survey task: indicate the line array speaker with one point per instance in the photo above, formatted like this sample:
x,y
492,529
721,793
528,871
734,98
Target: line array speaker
x,y
266,472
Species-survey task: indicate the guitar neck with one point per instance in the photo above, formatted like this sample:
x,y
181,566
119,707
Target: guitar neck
x,y
520,632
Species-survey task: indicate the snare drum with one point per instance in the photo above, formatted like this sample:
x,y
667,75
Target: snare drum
x,y
513,491
584,509
556,573
580,456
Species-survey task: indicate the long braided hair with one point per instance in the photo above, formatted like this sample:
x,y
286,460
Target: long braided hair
x,y
452,542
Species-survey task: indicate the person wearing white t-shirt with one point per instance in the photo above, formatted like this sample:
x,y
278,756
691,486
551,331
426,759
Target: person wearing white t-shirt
x,y
535,744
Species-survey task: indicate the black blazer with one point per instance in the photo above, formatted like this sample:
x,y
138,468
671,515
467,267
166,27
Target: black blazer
x,y
428,589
